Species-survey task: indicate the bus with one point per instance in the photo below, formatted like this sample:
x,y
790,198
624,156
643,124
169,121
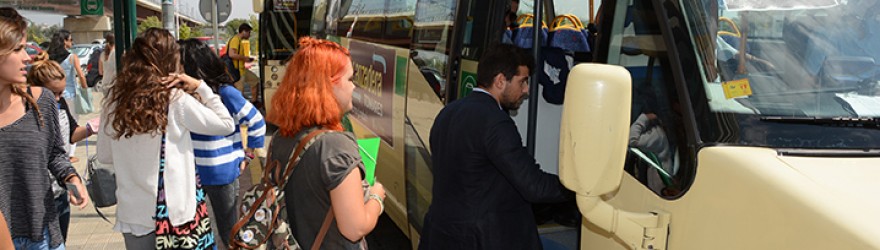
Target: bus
x,y
689,124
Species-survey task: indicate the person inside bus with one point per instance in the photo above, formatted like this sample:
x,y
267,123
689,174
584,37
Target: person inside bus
x,y
485,181
316,93
649,135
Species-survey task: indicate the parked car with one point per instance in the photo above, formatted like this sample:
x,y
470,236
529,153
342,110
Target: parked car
x,y
93,76
210,41
33,49
85,52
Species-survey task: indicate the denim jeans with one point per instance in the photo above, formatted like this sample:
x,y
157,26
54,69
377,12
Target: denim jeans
x,y
223,200
25,243
62,205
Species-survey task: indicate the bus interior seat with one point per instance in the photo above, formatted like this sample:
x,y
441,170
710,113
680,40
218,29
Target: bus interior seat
x,y
847,71
808,32
568,33
523,35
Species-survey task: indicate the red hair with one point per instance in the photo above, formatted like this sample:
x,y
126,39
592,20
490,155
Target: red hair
x,y
305,96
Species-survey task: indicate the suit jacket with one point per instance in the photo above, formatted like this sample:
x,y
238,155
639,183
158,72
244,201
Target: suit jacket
x,y
484,181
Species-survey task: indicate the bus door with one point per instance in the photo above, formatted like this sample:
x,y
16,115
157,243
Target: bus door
x,y
280,26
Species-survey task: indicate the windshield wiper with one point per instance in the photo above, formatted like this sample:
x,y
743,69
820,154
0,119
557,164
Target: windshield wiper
x,y
858,122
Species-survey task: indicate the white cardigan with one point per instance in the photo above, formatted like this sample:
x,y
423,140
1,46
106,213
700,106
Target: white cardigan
x,y
136,159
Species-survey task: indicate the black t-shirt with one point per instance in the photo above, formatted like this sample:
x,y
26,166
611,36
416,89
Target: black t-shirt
x,y
324,165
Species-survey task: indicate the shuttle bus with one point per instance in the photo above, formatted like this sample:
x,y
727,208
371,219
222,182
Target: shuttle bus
x,y
689,124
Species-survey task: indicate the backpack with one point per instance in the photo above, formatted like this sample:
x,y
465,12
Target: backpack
x,y
264,216
230,64
93,76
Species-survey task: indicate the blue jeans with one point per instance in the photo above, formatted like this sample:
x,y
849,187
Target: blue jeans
x,y
62,205
25,243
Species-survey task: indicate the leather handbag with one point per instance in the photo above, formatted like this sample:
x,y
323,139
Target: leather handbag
x,y
101,183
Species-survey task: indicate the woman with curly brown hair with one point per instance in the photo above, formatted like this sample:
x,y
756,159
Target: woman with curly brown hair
x,y
147,119
329,178
30,144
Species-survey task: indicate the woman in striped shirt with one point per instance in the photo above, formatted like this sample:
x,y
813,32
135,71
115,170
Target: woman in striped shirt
x,y
220,159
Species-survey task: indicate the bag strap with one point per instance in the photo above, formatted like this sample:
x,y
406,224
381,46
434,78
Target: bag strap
x,y
306,141
268,173
229,42
324,228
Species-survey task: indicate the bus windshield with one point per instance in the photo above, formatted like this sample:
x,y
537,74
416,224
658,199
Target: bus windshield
x,y
801,59
790,61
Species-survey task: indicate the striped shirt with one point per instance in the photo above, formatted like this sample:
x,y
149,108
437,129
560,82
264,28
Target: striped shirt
x,y
218,157
28,147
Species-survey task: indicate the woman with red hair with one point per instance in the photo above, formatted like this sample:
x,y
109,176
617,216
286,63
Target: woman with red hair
x,y
315,93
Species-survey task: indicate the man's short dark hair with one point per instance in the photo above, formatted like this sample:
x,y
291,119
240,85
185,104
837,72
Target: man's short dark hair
x,y
504,59
244,27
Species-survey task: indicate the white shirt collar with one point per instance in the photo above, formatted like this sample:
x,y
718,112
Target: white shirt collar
x,y
490,94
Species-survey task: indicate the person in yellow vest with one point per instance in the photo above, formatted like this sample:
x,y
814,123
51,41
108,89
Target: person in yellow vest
x,y
239,50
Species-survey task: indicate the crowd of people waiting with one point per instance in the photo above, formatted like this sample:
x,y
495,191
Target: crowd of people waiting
x,y
171,125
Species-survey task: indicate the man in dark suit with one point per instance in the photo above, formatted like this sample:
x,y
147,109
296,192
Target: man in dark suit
x,y
484,179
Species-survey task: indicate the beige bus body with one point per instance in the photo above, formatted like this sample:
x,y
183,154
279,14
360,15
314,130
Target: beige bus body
x,y
742,197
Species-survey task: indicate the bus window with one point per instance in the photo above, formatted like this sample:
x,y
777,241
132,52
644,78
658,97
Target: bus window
x,y
430,42
399,15
476,37
389,23
321,16
657,137
579,8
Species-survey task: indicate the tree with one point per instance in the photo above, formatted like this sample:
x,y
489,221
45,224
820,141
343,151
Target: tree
x,y
187,32
41,33
150,22
35,34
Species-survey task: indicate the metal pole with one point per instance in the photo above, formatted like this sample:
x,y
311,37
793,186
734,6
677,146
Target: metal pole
x,y
131,21
119,31
168,16
216,26
177,17
533,85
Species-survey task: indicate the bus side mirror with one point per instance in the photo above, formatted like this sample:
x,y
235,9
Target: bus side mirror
x,y
595,128
592,151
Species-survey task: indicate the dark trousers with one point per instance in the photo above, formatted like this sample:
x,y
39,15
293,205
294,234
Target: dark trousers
x,y
223,200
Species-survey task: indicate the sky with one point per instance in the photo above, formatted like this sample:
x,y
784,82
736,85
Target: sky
x,y
241,9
